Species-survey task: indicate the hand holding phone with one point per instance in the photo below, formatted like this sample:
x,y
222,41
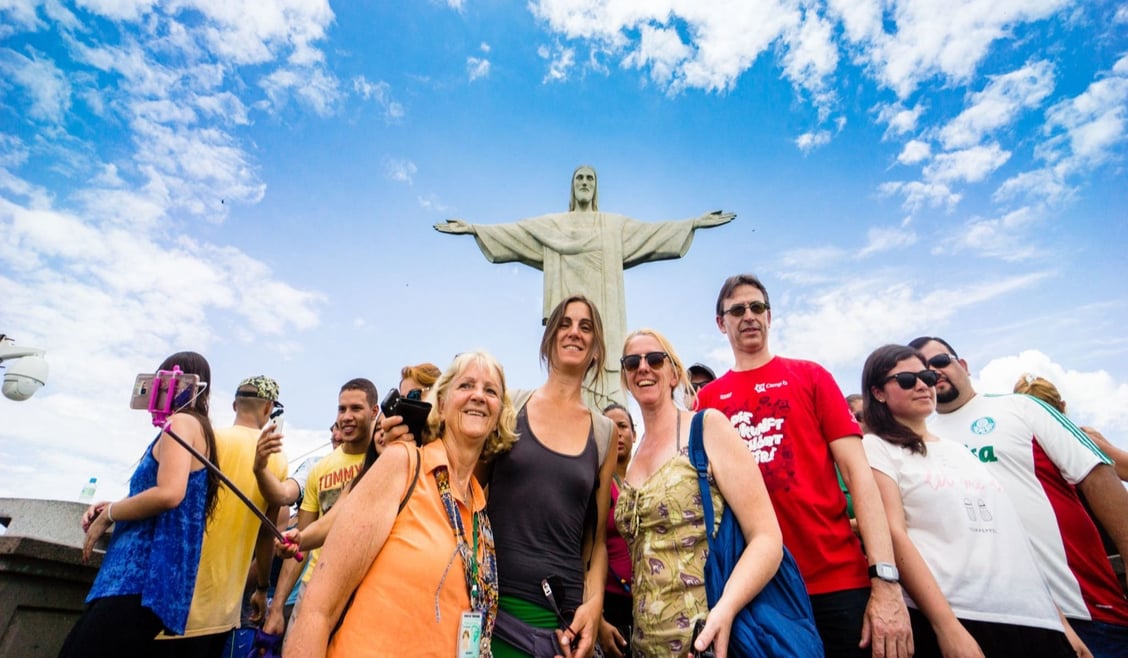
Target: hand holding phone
x,y
413,412
698,626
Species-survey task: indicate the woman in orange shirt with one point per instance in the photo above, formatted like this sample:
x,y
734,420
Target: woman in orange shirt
x,y
424,576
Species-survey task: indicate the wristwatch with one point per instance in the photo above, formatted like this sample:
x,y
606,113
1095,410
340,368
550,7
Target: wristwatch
x,y
885,571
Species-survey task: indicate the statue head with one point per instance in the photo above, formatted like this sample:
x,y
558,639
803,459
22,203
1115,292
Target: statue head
x,y
585,189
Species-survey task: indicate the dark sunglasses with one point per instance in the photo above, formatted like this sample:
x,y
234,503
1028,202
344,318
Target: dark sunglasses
x,y
907,380
941,361
738,310
631,362
697,386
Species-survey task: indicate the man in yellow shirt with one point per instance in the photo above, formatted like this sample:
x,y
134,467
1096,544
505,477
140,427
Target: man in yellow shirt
x,y
230,538
357,410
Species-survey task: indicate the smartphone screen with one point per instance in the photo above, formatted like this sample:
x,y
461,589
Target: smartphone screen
x,y
144,384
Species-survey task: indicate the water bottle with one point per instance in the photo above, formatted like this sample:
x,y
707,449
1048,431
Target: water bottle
x,y
87,494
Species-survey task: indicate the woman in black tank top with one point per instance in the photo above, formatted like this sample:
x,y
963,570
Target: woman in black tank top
x,y
550,493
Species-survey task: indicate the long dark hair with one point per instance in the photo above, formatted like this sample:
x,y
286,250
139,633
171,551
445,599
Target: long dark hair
x,y
878,418
194,363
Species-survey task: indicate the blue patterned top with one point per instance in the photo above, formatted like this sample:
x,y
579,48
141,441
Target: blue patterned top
x,y
157,557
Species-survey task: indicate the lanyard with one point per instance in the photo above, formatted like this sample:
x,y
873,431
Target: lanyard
x,y
469,553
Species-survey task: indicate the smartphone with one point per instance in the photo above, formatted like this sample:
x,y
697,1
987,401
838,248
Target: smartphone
x,y
413,412
146,383
698,626
276,418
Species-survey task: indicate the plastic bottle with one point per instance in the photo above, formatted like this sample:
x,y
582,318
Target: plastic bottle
x,y
87,494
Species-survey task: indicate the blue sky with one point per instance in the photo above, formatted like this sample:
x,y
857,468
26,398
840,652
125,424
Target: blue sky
x,y
257,181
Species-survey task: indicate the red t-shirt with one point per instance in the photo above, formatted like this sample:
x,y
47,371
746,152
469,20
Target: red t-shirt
x,y
788,411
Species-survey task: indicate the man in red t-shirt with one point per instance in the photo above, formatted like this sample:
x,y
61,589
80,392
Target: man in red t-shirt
x,y
794,419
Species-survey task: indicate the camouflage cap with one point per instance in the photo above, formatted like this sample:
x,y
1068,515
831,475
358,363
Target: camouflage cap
x,y
264,387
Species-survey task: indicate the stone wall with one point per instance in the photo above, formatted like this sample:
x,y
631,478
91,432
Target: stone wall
x,y
43,581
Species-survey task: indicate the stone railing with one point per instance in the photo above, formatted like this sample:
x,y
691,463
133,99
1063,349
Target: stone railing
x,y
43,581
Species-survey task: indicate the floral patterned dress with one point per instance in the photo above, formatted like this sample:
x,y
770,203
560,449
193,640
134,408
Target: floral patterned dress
x,y
664,527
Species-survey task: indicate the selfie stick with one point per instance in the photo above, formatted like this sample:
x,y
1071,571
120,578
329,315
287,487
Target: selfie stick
x,y
161,419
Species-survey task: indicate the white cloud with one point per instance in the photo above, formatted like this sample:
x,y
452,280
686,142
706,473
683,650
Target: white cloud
x,y
560,61
662,50
945,38
477,68
41,80
900,120
919,194
914,151
381,93
968,165
999,104
885,238
866,311
1092,398
809,141
484,47
401,171
1046,185
1002,237
432,203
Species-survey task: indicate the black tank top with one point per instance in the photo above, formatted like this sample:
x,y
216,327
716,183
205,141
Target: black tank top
x,y
538,507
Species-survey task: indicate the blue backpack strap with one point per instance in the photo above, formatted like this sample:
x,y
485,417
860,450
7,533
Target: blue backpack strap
x,y
700,461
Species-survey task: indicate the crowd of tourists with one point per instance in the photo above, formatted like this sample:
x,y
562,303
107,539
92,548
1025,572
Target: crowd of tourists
x,y
526,523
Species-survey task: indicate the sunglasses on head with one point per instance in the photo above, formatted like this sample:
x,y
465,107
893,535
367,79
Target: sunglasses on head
x,y
941,360
631,362
907,380
738,310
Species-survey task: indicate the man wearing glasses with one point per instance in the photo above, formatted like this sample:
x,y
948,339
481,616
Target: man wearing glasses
x,y
795,420
1043,461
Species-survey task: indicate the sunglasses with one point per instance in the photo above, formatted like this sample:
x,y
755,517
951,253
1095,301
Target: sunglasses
x,y
941,360
907,380
697,386
631,362
738,310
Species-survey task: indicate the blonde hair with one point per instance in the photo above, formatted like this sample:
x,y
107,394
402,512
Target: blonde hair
x,y
505,434
680,374
1041,388
424,373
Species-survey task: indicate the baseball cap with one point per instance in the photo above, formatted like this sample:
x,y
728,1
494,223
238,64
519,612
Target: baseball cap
x,y
259,386
702,369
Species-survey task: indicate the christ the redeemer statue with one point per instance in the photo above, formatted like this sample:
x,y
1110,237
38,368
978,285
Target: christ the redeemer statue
x,y
584,251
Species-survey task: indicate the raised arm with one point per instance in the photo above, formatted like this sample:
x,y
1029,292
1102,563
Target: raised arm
x,y
455,226
715,218
369,513
739,480
276,492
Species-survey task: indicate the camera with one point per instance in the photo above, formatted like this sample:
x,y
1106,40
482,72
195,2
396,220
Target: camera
x,y
24,377
414,412
26,370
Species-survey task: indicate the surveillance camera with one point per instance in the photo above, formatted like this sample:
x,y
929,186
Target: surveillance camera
x,y
24,376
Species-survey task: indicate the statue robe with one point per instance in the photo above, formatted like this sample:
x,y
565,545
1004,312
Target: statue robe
x,y
586,253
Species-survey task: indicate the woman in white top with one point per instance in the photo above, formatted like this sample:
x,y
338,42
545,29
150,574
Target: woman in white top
x,y
971,583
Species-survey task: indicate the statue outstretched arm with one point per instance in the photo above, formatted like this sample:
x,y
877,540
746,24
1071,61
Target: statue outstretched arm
x,y
456,226
711,219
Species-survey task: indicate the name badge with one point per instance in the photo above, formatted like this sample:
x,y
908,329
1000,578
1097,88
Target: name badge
x,y
470,635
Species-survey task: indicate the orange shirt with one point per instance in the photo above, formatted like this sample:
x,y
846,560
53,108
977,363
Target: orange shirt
x,y
393,612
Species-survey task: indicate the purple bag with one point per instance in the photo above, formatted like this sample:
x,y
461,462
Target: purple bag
x,y
267,645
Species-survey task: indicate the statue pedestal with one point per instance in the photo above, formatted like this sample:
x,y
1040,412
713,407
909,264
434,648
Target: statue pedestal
x,y
43,581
